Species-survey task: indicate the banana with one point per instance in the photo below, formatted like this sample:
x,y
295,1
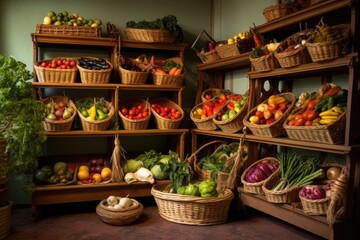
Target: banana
x,y
326,121
329,117
337,109
329,113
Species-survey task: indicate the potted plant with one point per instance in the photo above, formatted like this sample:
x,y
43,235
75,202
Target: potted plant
x,y
21,116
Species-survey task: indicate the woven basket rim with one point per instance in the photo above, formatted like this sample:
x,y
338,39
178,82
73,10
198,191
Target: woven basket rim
x,y
321,200
95,71
156,99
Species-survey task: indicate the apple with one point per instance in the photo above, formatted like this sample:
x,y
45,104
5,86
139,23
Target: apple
x,y
100,162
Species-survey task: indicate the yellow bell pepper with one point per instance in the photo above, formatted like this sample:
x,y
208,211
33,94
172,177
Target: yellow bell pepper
x,y
92,113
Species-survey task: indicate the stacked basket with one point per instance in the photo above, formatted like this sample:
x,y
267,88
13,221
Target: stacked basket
x,y
55,75
134,124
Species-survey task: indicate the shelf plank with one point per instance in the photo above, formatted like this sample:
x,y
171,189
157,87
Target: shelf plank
x,y
108,133
315,224
282,141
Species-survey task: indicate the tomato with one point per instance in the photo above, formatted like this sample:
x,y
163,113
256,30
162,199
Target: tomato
x,y
59,62
72,63
208,107
298,116
208,97
173,110
230,105
273,106
140,115
311,104
312,114
140,107
124,111
145,114
308,123
283,107
300,122
166,109
43,64
259,114
292,122
270,120
53,65
132,112
223,98
63,66
177,115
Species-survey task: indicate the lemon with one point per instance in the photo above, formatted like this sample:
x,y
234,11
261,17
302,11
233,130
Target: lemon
x,y
98,22
47,20
83,175
94,25
57,23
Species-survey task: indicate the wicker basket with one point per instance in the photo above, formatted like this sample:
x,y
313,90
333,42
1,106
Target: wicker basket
x,y
328,134
149,35
315,207
166,79
213,92
5,218
192,210
276,11
55,75
95,76
208,56
206,123
134,124
233,124
274,129
97,125
119,216
227,50
264,63
132,77
324,51
256,188
161,122
68,30
283,196
64,125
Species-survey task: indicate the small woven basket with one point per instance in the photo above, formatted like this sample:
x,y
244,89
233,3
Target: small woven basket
x,y
274,129
276,11
95,76
134,124
227,50
233,124
264,63
55,75
192,210
166,79
149,35
64,125
329,134
98,125
68,30
284,196
132,77
328,50
205,123
164,123
119,216
256,188
205,56
315,207
213,92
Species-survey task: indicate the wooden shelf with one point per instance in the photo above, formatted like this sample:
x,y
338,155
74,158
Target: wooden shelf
x,y
240,61
107,133
291,214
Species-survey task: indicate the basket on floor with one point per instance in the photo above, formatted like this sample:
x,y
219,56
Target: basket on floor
x,y
227,50
191,210
283,196
264,63
95,76
56,125
149,35
134,124
274,129
333,133
162,122
170,80
256,188
276,11
214,92
55,75
328,50
315,206
122,216
98,125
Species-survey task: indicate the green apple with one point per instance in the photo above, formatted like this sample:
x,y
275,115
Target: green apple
x,y
232,113
224,117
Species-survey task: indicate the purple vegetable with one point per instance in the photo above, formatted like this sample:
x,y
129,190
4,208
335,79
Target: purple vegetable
x,y
263,167
249,175
312,192
318,192
259,175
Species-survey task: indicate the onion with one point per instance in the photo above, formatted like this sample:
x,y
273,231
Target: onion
x,y
263,167
333,173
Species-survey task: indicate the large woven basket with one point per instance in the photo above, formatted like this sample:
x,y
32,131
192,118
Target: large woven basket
x,y
274,129
5,218
227,50
134,124
164,123
64,125
283,196
166,79
64,30
233,124
55,75
119,216
205,56
256,188
276,11
98,125
315,207
149,35
192,210
328,50
95,76
132,77
264,63
329,134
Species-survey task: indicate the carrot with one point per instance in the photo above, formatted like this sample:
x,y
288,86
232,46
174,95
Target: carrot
x,y
178,72
172,71
152,60
160,70
332,91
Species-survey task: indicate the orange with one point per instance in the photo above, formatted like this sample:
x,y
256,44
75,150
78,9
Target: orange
x,y
83,175
83,167
106,173
97,178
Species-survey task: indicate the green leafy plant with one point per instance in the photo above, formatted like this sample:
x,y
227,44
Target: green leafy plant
x,y
21,116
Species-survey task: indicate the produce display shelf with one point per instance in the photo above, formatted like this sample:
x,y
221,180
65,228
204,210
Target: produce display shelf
x,y
291,214
282,141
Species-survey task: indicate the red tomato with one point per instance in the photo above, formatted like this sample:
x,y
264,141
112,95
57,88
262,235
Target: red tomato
x,y
291,122
208,97
312,103
132,112
145,114
43,64
273,106
177,115
311,115
63,66
59,62
140,107
140,115
300,122
282,107
259,114
72,63
173,110
53,65
308,123
124,111
223,97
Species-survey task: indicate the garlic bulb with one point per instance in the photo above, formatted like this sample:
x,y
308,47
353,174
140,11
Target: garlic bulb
x,y
144,175
111,200
130,177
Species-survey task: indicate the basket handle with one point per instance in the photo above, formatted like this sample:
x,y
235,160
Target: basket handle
x,y
203,31
192,158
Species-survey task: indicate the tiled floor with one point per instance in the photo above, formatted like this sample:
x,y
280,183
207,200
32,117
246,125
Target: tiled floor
x,y
80,221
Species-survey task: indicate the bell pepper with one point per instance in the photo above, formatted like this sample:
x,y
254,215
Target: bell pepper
x,y
181,190
207,188
192,190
